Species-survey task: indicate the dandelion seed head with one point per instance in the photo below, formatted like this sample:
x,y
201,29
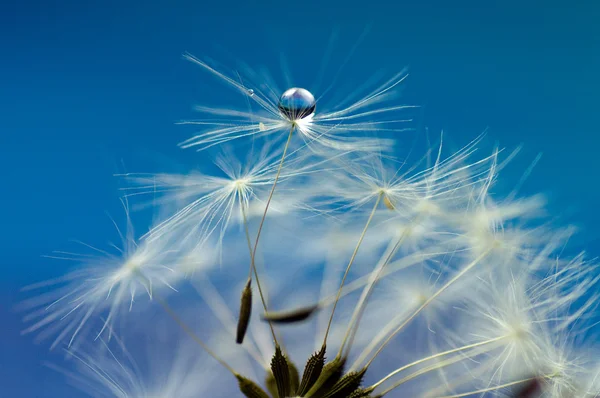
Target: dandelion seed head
x,y
479,298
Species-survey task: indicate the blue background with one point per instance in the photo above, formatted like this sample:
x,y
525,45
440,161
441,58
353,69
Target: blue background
x,y
89,89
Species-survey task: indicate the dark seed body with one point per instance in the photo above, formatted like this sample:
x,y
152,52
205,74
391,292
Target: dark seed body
x,y
346,385
281,373
529,389
294,380
292,316
245,311
312,371
331,374
250,389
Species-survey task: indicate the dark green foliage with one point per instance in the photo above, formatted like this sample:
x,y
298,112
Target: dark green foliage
x,y
346,385
271,385
250,389
245,311
294,378
312,371
281,373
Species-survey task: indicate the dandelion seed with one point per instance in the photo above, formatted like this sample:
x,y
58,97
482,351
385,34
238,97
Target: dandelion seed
x,y
295,109
104,285
110,370
209,204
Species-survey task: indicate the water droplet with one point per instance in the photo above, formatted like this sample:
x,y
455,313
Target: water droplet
x,y
297,103
250,92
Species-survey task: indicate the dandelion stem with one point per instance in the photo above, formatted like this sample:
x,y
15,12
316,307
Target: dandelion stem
x,y
494,388
214,300
436,366
362,236
191,333
262,222
391,268
466,377
360,307
417,311
441,354
247,232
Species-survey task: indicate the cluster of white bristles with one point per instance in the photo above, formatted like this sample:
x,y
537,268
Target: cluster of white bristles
x,y
450,291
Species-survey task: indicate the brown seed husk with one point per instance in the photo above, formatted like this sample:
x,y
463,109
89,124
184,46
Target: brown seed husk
x,y
312,371
250,389
346,385
281,373
331,374
294,380
292,316
245,312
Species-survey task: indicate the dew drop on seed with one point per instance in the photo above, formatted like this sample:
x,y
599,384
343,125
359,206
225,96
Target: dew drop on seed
x,y
297,103
261,126
250,92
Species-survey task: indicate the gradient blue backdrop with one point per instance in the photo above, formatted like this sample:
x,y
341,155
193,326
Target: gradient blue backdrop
x,y
88,89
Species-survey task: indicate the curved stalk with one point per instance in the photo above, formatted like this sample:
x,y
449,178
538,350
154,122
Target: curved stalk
x,y
260,227
438,355
376,341
362,236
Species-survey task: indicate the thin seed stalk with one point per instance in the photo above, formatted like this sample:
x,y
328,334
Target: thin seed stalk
x,y
248,241
362,236
182,324
260,226
356,316
422,307
441,354
191,333
494,388
456,382
427,369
